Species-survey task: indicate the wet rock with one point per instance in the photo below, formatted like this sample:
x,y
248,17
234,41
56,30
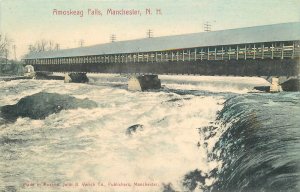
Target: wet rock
x,y
40,105
167,187
132,129
262,88
208,131
291,85
10,189
193,179
76,78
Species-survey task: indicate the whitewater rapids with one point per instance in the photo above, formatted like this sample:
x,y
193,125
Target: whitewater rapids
x,y
89,148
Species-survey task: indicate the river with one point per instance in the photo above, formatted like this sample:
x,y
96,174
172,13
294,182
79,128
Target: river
x,y
194,134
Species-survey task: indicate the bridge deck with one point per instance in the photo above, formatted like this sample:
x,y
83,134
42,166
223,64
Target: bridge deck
x,y
266,67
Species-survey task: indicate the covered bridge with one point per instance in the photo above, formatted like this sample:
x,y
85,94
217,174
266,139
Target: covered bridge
x,y
269,50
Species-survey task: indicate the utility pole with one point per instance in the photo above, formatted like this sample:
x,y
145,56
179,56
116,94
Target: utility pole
x,y
149,33
81,43
113,38
207,26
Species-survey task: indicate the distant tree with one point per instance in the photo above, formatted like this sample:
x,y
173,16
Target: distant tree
x,y
4,47
14,48
51,45
43,45
31,48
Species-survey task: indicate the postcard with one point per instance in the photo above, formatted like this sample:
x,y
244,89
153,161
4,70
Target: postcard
x,y
149,96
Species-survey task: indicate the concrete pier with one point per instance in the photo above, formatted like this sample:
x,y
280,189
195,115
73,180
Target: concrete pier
x,y
284,83
275,86
76,78
143,82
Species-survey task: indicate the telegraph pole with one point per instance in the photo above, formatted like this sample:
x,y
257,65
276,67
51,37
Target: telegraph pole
x,y
81,42
207,26
113,38
149,33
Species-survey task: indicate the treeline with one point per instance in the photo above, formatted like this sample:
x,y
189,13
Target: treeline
x,y
44,45
5,42
13,68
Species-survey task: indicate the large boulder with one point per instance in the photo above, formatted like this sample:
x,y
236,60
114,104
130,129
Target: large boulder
x,y
291,85
40,105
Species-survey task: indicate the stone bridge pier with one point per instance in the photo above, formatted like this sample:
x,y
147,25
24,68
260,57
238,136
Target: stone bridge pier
x,y
284,83
143,82
135,82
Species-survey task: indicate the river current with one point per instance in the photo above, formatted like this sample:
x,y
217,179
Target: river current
x,y
194,134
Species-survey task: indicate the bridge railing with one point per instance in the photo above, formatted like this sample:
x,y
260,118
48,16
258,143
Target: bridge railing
x,y
267,50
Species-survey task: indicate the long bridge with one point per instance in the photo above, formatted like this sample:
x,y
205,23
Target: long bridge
x,y
269,51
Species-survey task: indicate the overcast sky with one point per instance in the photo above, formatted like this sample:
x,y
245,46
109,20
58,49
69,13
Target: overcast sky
x,y
27,21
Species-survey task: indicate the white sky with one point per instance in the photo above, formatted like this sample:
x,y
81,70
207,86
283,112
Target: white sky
x,y
27,21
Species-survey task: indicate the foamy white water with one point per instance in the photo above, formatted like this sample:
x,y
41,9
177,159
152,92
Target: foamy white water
x,y
90,146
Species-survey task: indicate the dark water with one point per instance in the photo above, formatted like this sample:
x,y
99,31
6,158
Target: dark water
x,y
260,150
